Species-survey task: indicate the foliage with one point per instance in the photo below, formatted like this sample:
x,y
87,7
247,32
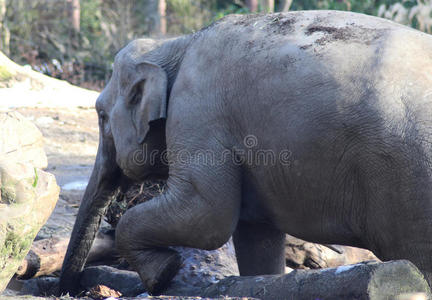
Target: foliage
x,y
230,9
14,245
41,35
36,178
5,74
180,12
417,14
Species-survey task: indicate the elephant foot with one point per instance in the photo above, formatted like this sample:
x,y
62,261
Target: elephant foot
x,y
157,267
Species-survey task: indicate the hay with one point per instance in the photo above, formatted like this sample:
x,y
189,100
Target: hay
x,y
137,193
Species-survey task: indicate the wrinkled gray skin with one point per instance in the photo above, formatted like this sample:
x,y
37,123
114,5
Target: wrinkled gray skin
x,y
348,95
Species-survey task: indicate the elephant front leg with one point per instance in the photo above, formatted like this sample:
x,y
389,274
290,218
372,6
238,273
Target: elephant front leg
x,y
190,213
260,249
155,266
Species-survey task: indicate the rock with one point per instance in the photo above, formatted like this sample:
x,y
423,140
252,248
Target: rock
x,y
201,269
23,87
44,121
128,283
37,286
300,254
21,140
375,281
28,196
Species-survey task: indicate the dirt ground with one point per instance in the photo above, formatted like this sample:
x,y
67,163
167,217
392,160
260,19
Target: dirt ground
x,y
71,139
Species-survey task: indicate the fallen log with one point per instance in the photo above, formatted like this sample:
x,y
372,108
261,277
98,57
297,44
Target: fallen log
x,y
46,256
371,280
300,254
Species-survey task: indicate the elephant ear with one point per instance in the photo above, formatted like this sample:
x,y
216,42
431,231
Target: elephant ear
x,y
149,94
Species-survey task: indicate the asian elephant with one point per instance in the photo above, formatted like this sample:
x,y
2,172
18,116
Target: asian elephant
x,y
312,123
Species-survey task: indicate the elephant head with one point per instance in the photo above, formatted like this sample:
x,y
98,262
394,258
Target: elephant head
x,y
131,111
134,100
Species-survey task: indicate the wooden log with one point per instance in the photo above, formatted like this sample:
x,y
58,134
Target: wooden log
x,y
300,254
46,256
389,280
252,5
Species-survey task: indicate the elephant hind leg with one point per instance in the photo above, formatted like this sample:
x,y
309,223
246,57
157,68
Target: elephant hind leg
x,y
260,249
419,254
407,243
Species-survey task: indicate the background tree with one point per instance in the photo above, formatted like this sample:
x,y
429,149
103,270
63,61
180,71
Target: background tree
x,y
4,32
267,5
74,14
73,11
162,17
285,5
77,39
252,5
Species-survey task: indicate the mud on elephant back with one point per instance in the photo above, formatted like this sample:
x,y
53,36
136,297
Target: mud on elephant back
x,y
339,101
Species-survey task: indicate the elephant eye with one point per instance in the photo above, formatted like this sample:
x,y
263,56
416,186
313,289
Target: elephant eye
x,y
136,95
102,116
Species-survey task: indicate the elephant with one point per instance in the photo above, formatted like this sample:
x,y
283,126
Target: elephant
x,y
313,123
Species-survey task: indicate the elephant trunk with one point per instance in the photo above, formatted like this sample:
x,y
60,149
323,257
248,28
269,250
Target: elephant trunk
x,y
102,185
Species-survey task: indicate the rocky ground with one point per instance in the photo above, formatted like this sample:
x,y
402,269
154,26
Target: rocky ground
x,y
71,139
66,117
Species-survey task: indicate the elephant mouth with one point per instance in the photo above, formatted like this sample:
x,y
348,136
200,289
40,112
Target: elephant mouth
x,y
141,176
155,176
135,176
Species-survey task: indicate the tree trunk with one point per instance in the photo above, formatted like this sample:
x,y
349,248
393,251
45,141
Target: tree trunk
x,y
267,5
285,5
74,14
4,32
390,280
162,17
252,5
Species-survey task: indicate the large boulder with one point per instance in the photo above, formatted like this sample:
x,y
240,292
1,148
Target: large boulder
x,y
28,196
21,86
21,140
